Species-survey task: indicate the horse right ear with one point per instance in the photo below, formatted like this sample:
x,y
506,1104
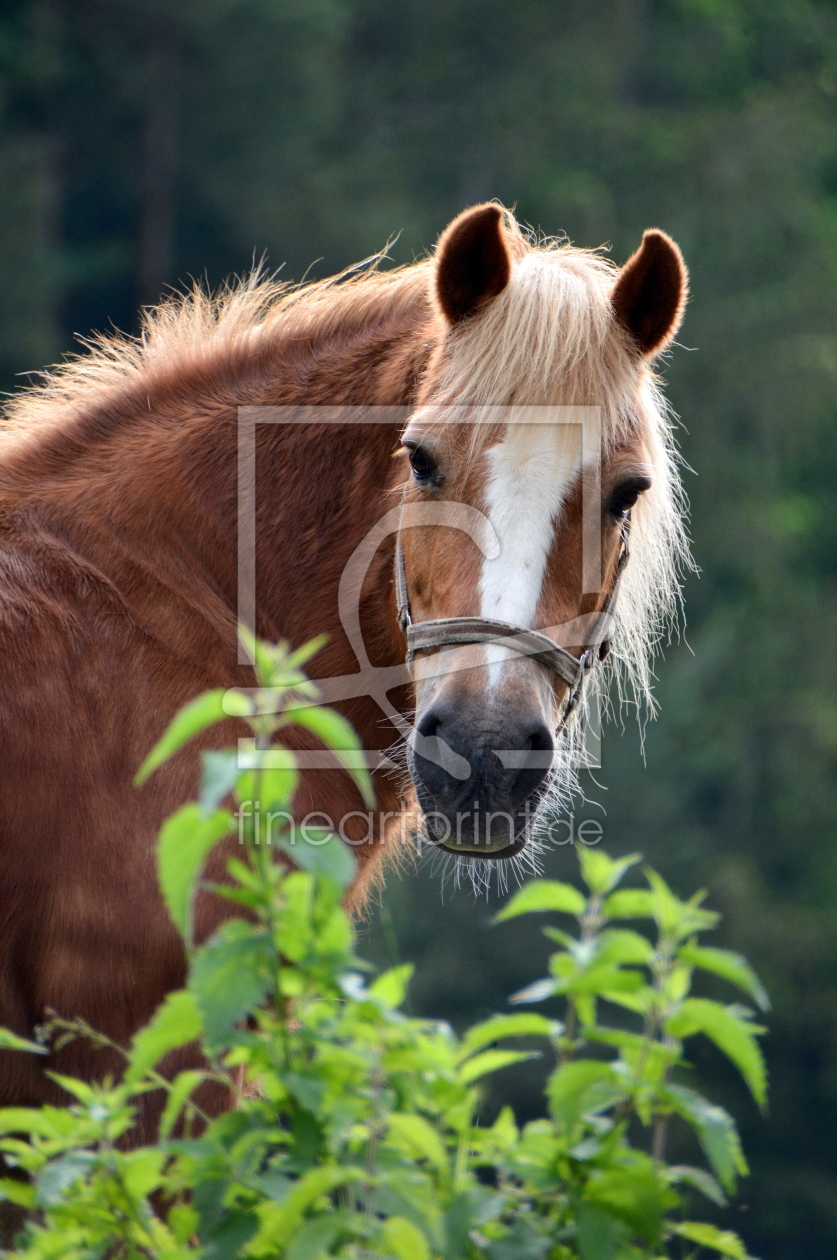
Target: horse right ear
x,y
651,292
473,262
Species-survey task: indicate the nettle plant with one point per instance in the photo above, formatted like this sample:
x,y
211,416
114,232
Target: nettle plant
x,y
354,1130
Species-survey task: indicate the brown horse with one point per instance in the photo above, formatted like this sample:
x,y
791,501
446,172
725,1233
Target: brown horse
x,y
119,568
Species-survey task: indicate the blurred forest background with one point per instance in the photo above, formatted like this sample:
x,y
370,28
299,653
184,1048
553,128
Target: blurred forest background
x,y
144,141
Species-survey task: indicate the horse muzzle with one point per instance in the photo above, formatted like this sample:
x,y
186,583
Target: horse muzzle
x,y
479,788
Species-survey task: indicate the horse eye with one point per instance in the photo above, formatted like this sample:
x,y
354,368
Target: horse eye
x,y
423,466
625,495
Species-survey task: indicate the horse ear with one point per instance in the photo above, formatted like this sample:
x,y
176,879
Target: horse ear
x,y
651,292
473,263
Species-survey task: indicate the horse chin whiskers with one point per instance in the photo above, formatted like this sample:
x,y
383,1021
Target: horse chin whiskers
x,y
482,874
487,874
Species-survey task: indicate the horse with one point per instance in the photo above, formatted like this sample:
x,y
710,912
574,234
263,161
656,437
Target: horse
x,y
120,567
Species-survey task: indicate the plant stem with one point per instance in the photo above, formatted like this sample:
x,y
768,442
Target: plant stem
x,y
462,1148
658,1137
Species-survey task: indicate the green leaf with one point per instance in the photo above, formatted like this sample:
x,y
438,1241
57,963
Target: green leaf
x,y
504,1129
281,1224
203,711
175,1023
676,918
219,776
594,979
409,1192
730,966
523,1025
303,654
332,729
40,1121
722,1240
629,903
599,1234
321,854
700,1179
543,894
578,1087
263,656
11,1041
185,843
314,1239
423,1141
60,1174
631,1043
228,1237
459,1221
639,1000
492,1061
733,1035
21,1193
183,1086
623,946
525,1240
183,1221
391,987
634,1190
600,872
404,1240
716,1131
229,977
140,1170
85,1093
307,1088
537,991
269,776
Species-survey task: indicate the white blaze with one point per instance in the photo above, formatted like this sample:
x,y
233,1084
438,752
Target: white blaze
x,y
530,471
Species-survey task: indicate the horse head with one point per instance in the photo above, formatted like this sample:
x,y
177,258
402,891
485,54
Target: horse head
x,y
540,423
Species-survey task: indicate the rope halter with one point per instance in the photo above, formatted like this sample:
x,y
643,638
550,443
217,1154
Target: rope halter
x,y
458,631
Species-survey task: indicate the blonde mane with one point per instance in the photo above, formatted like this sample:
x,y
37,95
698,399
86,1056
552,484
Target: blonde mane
x,y
202,341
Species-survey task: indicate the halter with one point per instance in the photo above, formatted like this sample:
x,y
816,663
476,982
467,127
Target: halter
x,y
458,631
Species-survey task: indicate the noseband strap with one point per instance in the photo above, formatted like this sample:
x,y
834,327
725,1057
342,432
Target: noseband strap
x,y
459,631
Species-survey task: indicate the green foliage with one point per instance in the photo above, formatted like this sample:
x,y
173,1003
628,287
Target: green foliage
x,y
185,841
317,130
355,1130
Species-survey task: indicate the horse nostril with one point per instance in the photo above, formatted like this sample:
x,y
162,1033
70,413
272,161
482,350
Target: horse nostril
x,y
533,762
540,739
429,724
440,764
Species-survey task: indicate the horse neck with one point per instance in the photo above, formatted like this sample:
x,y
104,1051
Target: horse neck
x,y
307,532
320,488
155,509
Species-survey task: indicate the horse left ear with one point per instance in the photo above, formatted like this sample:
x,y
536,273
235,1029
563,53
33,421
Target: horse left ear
x,y
473,263
650,294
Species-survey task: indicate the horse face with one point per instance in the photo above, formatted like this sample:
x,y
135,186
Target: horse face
x,y
487,716
541,510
